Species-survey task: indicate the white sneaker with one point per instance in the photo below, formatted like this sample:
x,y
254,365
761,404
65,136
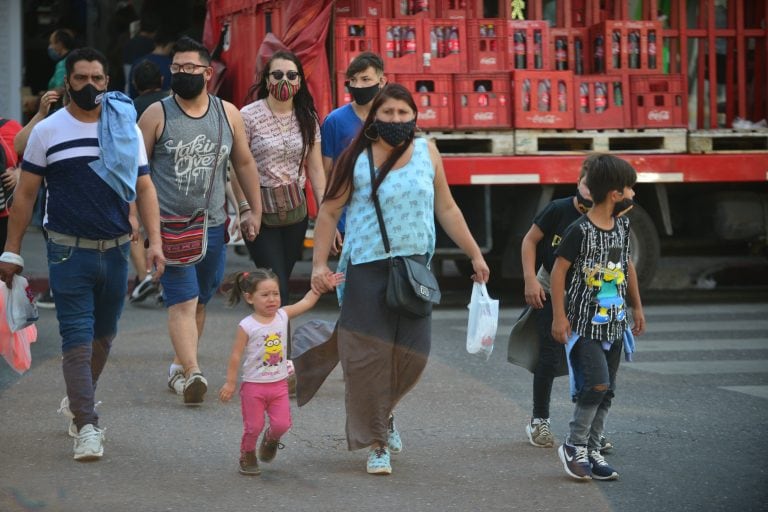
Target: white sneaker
x,y
194,389
176,382
539,433
64,409
89,443
144,289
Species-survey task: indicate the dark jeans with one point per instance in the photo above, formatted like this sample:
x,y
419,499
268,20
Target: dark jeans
x,y
279,248
595,374
89,288
551,356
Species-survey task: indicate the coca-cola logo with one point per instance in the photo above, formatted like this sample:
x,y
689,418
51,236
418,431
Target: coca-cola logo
x,y
488,61
544,119
427,114
659,115
484,116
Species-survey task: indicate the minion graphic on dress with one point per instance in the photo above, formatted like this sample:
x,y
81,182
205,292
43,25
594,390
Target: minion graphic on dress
x,y
273,350
607,279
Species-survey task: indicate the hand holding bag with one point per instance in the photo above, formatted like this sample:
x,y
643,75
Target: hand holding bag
x,y
483,321
412,287
185,238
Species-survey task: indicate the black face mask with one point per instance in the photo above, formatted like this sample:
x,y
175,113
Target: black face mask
x,y
395,134
363,95
187,85
622,207
87,98
584,203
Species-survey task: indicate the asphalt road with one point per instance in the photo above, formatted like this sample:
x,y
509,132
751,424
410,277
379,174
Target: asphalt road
x,y
688,422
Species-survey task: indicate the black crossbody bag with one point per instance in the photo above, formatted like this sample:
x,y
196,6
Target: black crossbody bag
x,y
411,287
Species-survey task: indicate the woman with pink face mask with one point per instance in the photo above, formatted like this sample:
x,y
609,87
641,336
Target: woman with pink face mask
x,y
284,137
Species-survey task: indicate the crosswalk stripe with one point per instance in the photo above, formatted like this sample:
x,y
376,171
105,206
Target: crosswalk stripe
x,y
700,367
702,344
758,391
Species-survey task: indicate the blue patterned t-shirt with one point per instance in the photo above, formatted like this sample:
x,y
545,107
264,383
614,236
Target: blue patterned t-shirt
x,y
407,198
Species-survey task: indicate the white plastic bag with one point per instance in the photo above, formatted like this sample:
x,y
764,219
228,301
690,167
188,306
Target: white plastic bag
x,y
20,307
483,321
14,346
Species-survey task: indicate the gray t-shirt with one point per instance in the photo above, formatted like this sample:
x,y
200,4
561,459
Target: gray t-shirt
x,y
183,158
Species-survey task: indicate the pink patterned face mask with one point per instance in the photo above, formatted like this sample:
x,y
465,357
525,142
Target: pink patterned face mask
x,y
283,90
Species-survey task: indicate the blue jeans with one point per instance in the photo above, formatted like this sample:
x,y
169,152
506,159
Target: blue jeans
x,y
595,374
89,288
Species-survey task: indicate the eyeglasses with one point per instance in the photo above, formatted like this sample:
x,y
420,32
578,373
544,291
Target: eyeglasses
x,y
290,75
186,68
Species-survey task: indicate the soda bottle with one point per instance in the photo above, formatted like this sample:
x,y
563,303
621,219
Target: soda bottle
x,y
562,97
405,7
519,41
618,96
442,41
545,89
600,99
584,97
634,49
599,54
389,45
561,55
616,49
526,100
491,33
537,50
578,56
420,5
433,41
652,49
396,41
454,46
410,41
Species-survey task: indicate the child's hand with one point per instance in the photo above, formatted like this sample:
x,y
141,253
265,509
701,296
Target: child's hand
x,y
226,392
638,327
336,279
561,330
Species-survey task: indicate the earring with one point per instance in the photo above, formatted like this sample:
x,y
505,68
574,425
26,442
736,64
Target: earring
x,y
370,137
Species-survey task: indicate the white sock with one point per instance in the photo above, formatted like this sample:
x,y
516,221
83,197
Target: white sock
x,y
174,368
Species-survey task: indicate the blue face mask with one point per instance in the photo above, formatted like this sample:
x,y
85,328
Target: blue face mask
x,y
55,57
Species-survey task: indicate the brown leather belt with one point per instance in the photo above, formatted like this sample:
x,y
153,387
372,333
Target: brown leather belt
x,y
86,243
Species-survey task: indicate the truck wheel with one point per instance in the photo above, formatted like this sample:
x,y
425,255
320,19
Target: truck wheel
x,y
644,241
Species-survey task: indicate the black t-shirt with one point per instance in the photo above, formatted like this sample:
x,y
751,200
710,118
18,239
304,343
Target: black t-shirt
x,y
553,221
596,285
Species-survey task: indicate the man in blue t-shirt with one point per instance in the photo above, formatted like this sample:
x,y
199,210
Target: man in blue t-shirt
x,y
365,76
89,219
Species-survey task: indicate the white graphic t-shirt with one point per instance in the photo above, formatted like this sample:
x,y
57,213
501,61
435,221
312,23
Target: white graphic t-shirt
x,y
265,353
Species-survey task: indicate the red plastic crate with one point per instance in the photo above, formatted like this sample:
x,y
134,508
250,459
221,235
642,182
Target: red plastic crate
x,y
363,8
563,52
657,101
414,8
482,101
543,99
454,8
444,48
627,47
487,39
433,95
400,43
354,36
601,101
342,94
527,45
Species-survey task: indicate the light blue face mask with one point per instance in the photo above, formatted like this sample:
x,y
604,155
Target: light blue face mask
x,y
55,57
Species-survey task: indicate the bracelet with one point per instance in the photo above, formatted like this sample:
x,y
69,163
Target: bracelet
x,y
243,211
13,258
242,203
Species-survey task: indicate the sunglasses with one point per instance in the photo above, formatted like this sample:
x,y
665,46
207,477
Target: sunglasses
x,y
291,75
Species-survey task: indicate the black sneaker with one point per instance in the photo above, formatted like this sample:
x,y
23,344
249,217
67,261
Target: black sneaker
x,y
601,470
45,300
575,461
268,448
248,463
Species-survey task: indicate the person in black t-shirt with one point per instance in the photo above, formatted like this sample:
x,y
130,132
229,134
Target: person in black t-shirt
x,y
542,239
594,259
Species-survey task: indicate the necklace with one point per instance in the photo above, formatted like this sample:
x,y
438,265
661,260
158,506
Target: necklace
x,y
284,129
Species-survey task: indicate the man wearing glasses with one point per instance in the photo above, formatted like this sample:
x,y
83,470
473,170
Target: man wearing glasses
x,y
187,135
92,158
